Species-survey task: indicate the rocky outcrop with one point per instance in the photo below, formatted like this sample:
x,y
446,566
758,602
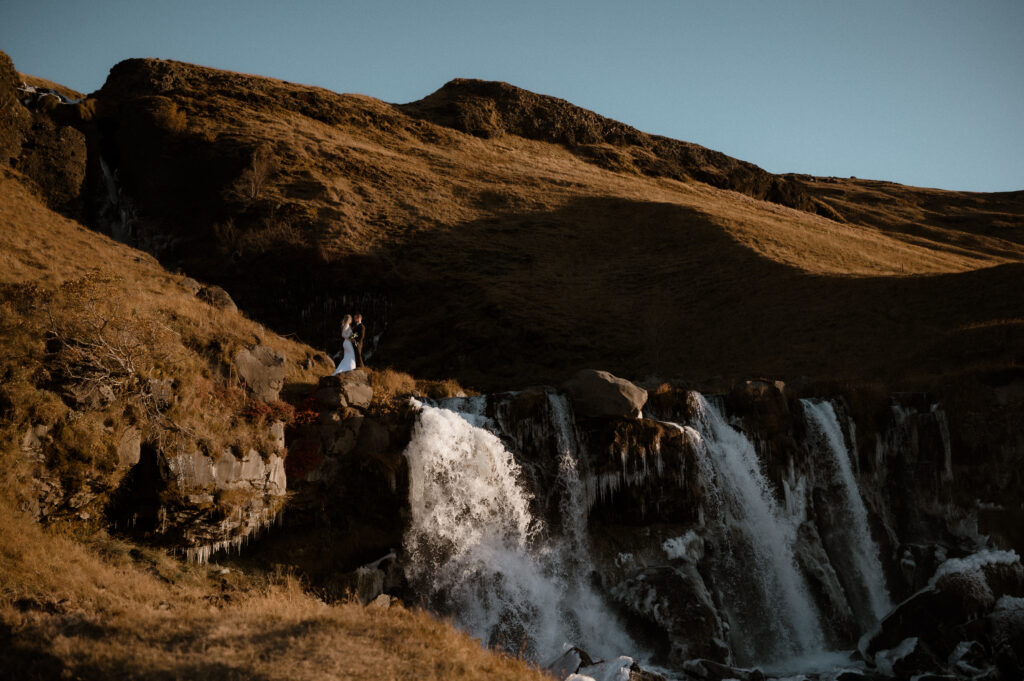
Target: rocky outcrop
x,y
598,394
349,388
262,370
971,603
218,297
16,118
37,137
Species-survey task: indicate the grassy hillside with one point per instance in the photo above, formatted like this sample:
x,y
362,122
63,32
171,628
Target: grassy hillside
x,y
507,238
76,602
90,606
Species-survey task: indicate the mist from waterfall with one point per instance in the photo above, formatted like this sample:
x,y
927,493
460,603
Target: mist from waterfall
x,y
764,594
480,555
858,547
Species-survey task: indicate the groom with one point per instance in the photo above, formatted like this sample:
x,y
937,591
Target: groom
x,y
358,334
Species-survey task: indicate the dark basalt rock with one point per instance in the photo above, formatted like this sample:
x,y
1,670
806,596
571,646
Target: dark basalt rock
x,y
924,631
16,118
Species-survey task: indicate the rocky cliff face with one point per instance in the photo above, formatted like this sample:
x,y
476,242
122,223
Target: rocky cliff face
x,y
831,511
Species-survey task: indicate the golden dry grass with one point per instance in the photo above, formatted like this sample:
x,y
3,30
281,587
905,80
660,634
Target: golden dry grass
x,y
92,607
77,603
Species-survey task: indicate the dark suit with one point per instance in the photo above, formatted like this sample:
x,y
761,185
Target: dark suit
x,y
358,335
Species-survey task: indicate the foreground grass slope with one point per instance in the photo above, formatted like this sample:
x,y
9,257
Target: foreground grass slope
x,y
76,602
89,606
505,248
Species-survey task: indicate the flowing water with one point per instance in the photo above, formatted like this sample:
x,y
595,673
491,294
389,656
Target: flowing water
x,y
855,540
478,552
765,596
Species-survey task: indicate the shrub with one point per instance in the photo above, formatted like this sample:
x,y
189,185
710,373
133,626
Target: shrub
x,y
254,178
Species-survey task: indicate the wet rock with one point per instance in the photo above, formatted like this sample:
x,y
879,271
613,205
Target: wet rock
x,y
569,662
598,394
620,668
677,602
709,670
1006,624
910,658
218,297
263,370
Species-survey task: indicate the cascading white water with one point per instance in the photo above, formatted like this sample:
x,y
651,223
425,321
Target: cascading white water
x,y
862,551
770,610
475,547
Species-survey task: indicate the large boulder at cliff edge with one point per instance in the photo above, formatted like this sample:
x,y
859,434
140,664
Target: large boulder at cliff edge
x,y
598,394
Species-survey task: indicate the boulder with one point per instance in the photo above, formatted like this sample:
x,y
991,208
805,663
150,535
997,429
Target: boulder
x,y
190,285
709,670
909,658
218,297
962,597
599,394
263,370
329,393
676,601
1006,624
351,388
129,447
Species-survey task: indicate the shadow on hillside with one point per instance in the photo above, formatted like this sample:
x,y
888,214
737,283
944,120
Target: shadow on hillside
x,y
646,288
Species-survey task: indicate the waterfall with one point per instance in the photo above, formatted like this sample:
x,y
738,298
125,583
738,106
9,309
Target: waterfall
x,y
859,549
770,610
475,549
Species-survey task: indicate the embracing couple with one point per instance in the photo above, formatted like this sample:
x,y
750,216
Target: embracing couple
x,y
352,332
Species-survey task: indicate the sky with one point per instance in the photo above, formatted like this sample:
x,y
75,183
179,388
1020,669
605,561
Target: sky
x,y
924,92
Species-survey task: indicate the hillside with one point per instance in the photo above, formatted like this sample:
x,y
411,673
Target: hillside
x,y
79,602
492,248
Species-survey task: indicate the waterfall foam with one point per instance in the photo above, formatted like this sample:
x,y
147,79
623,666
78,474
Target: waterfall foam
x,y
862,552
771,612
477,551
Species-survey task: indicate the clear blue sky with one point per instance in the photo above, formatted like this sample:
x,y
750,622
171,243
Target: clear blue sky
x,y
926,92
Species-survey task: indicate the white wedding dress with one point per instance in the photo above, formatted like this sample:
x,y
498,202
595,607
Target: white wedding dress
x,y
348,359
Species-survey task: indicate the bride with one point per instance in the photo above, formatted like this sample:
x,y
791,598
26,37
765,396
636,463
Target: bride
x,y
348,359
